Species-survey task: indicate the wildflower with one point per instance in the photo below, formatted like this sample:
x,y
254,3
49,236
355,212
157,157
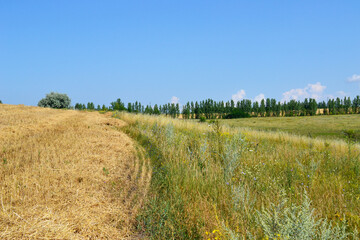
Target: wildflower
x,y
227,183
255,178
308,176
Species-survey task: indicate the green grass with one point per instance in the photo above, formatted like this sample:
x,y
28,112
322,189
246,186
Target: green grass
x,y
215,182
324,126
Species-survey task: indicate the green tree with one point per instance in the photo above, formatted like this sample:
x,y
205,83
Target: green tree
x,y
312,107
331,106
177,110
148,110
55,100
273,106
79,106
278,109
118,105
90,106
356,104
347,105
129,108
255,109
156,110
268,107
192,110
338,105
262,108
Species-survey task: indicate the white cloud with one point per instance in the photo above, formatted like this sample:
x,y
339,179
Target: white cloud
x,y
174,100
354,78
310,91
341,94
259,97
316,88
239,95
295,94
338,94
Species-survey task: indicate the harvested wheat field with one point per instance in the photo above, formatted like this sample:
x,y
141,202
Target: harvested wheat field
x,y
68,175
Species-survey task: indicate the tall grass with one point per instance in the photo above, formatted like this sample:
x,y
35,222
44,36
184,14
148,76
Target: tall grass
x,y
217,182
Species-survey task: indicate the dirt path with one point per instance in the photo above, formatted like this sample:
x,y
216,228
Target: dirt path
x,y
68,175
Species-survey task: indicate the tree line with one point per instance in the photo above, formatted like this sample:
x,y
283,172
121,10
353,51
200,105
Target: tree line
x,y
211,109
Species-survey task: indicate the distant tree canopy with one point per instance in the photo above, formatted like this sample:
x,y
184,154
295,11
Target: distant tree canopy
x,y
211,109
118,105
0,102
55,100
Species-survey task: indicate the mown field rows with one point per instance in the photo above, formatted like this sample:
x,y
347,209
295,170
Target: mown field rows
x,y
215,182
68,175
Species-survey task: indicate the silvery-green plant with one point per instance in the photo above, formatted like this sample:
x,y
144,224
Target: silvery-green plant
x,y
299,222
229,233
243,202
203,155
55,100
169,134
233,148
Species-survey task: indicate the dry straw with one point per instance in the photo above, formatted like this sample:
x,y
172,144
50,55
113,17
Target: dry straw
x,y
67,175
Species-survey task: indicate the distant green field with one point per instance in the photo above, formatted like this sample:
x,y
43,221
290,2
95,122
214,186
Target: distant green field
x,y
314,126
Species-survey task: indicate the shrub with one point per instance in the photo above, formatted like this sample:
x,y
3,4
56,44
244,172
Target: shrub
x,y
202,119
298,222
0,102
55,100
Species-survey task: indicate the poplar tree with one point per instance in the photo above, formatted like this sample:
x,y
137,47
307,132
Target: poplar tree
x,y
156,110
262,108
192,110
255,108
129,107
347,105
356,104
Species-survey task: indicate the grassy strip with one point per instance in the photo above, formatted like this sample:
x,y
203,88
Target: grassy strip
x,y
215,182
326,127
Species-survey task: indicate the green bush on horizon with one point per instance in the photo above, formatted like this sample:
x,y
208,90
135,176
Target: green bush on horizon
x,y
55,100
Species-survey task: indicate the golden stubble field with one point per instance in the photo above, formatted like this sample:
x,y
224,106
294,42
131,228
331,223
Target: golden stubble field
x,y
68,175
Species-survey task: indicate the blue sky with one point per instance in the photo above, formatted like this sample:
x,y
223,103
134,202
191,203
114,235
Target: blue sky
x,y
162,51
